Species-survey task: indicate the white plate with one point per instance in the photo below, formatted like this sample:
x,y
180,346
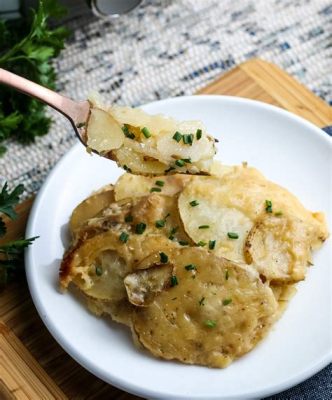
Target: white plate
x,y
291,152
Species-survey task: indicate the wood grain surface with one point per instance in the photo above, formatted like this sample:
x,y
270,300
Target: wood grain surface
x,y
32,364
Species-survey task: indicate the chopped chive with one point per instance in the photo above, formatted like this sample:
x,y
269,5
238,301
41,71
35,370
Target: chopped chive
x,y
129,218
191,267
99,270
159,183
163,257
124,237
80,125
201,243
177,136
173,230
127,132
212,244
126,168
174,280
146,132
183,243
188,139
160,223
194,203
185,139
278,213
140,228
210,323
201,302
198,134
226,275
204,227
268,206
225,302
179,163
187,160
232,235
155,189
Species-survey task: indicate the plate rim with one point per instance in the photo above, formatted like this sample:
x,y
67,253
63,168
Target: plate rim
x,y
119,382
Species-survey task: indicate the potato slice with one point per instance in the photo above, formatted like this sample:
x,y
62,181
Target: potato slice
x,y
134,162
103,132
209,320
230,206
129,186
97,266
90,207
212,220
280,248
145,144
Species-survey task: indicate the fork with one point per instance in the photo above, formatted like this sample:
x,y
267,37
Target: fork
x,y
77,112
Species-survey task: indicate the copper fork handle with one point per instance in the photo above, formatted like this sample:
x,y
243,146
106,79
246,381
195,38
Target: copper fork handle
x,y
76,112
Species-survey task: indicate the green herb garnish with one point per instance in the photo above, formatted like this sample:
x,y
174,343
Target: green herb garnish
x,y
124,237
191,267
204,227
210,323
201,243
126,168
163,257
140,228
188,139
212,244
201,302
226,275
155,189
268,206
198,134
159,183
99,270
129,218
177,136
172,232
232,235
28,48
179,163
11,252
225,302
160,223
183,243
146,132
194,203
174,280
127,132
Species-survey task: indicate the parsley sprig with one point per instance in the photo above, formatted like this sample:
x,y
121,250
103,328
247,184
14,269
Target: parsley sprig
x,y
27,49
10,252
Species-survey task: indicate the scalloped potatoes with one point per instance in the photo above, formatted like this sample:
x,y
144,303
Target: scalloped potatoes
x,y
198,267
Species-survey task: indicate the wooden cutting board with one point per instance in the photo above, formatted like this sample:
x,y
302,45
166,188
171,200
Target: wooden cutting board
x,y
32,364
